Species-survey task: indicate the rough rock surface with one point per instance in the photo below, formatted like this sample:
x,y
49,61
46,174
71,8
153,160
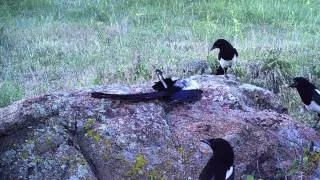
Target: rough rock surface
x,y
73,136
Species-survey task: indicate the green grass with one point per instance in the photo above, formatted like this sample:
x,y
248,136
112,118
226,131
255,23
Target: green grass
x,y
49,45
10,91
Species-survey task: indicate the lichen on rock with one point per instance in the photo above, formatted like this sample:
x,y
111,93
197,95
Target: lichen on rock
x,y
70,135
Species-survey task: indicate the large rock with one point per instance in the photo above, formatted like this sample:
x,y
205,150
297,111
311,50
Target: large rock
x,y
73,136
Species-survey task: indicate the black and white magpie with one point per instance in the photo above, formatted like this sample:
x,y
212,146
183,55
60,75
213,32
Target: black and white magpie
x,y
167,89
227,56
309,94
220,166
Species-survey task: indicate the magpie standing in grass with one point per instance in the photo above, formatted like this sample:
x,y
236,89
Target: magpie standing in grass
x,y
166,89
309,94
227,56
220,166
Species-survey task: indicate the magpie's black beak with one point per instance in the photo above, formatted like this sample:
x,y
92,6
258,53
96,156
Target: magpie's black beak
x,y
213,47
293,85
206,141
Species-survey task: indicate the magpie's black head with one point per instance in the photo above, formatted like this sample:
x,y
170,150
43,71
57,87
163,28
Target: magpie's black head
x,y
221,43
219,145
300,82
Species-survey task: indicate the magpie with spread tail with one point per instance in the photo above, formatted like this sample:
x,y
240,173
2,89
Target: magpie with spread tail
x,y
309,95
227,56
182,90
220,166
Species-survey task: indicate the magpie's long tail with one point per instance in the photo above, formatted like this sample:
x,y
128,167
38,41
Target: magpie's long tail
x,y
131,97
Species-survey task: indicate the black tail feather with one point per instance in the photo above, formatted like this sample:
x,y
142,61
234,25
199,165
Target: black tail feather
x,y
131,97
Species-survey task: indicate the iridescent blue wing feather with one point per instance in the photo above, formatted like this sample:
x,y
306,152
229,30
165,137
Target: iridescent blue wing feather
x,y
186,95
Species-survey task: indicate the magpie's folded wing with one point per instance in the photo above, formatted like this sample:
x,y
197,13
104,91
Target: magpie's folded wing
x,y
158,86
235,52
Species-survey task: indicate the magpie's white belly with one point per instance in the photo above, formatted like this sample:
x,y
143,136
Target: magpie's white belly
x,y
313,106
229,63
229,172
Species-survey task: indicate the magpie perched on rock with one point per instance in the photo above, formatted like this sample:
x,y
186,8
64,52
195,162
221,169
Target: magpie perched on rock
x,y
309,94
227,56
183,90
220,166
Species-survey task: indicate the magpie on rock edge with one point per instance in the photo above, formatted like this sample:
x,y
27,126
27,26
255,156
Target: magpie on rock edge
x,y
227,56
182,90
220,165
309,95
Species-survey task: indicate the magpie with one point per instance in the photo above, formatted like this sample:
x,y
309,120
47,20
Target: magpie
x,y
309,94
182,90
227,56
220,166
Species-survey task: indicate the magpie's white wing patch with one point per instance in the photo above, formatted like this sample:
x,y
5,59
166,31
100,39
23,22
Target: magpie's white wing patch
x,y
187,84
317,91
227,63
229,172
316,96
313,106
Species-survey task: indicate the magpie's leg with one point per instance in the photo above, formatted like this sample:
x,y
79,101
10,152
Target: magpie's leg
x,y
225,73
234,72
